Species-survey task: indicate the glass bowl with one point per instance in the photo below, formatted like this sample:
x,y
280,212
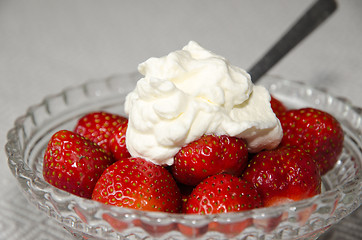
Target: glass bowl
x,y
87,219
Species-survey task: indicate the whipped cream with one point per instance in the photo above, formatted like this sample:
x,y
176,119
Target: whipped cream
x,y
191,92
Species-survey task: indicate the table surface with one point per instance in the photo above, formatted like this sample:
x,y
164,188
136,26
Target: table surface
x,y
47,45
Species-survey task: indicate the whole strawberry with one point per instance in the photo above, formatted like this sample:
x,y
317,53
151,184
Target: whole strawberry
x,y
209,155
74,163
283,174
139,184
316,132
98,127
117,141
223,193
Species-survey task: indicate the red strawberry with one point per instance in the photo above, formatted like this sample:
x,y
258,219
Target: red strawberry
x,y
139,184
234,155
223,193
277,106
284,174
74,163
117,141
316,132
98,127
208,156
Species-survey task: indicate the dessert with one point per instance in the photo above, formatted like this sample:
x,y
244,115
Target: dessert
x,y
193,117
192,92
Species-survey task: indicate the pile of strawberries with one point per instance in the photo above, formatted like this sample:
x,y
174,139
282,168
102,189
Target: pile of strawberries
x,y
214,174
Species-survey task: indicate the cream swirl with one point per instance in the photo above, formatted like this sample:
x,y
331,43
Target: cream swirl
x,y
191,92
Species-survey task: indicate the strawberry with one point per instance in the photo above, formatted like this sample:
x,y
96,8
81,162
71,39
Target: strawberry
x,y
117,141
139,184
223,193
208,156
277,106
234,155
74,163
316,132
98,127
283,174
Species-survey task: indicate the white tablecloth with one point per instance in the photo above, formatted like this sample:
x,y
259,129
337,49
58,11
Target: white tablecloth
x,y
47,45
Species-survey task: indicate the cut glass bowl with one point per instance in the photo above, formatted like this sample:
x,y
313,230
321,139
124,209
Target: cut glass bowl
x,y
87,219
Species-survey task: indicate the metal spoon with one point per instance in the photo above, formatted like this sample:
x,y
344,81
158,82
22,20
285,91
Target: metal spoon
x,y
311,19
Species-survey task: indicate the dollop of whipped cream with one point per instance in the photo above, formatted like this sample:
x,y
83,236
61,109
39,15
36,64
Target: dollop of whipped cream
x,y
192,92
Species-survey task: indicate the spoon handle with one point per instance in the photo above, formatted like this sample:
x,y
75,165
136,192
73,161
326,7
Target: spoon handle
x,y
311,19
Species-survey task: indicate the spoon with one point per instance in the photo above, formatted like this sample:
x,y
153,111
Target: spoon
x,y
310,20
